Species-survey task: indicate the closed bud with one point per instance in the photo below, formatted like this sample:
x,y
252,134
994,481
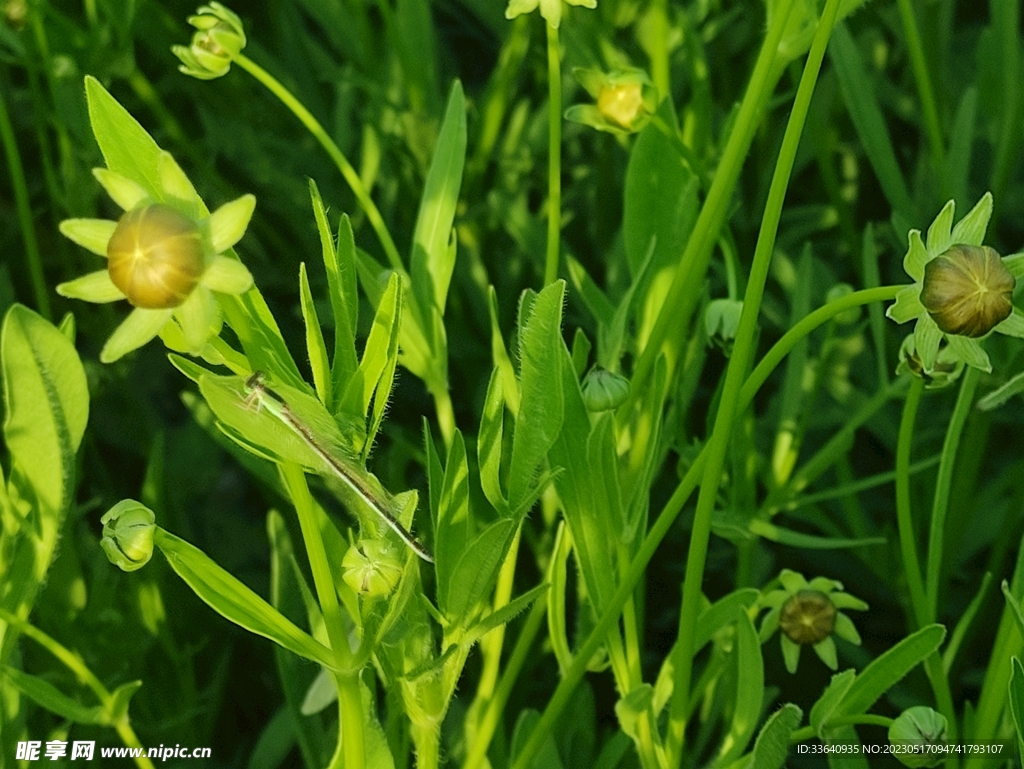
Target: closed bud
x,y
372,567
919,727
808,617
604,390
155,256
967,290
128,529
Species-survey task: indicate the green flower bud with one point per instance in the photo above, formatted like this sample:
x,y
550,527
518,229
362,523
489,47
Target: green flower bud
x,y
919,726
372,567
626,99
128,534
808,617
967,290
219,39
604,390
155,256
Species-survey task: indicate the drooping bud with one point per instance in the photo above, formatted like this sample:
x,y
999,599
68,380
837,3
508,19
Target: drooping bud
x,y
128,529
219,39
968,290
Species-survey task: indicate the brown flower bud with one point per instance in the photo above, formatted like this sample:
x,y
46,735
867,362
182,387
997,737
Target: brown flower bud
x,y
968,290
155,256
808,617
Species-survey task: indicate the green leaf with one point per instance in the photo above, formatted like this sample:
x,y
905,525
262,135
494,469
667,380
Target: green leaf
x,y
127,147
433,260
1016,698
660,201
378,354
505,614
541,409
721,613
868,120
772,745
476,570
46,407
489,444
1014,605
632,708
452,529
46,695
830,700
257,330
315,346
886,670
117,707
785,536
233,600
749,689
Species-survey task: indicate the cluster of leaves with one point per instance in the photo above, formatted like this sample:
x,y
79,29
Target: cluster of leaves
x,y
594,402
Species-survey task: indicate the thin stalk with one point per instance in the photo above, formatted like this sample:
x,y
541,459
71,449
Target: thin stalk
x,y
491,644
657,35
609,618
943,483
26,224
351,750
554,156
919,65
743,351
904,516
685,291
496,705
313,126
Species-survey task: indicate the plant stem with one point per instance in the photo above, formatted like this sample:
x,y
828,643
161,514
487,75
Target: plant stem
x,y
904,516
554,156
609,618
313,126
684,291
943,482
742,354
351,747
23,203
919,65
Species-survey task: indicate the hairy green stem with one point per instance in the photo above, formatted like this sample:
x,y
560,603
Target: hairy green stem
x,y
554,156
742,354
351,752
313,126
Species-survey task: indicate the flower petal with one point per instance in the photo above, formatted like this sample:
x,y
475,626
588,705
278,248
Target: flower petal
x,y
95,287
971,229
826,651
175,184
845,629
792,580
790,653
138,328
907,305
769,625
199,317
926,340
228,223
917,257
1015,264
969,351
122,190
584,3
227,276
939,231
92,234
517,7
1013,325
824,585
847,601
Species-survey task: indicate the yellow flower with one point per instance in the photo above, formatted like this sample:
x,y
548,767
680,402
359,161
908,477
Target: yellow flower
x,y
165,256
